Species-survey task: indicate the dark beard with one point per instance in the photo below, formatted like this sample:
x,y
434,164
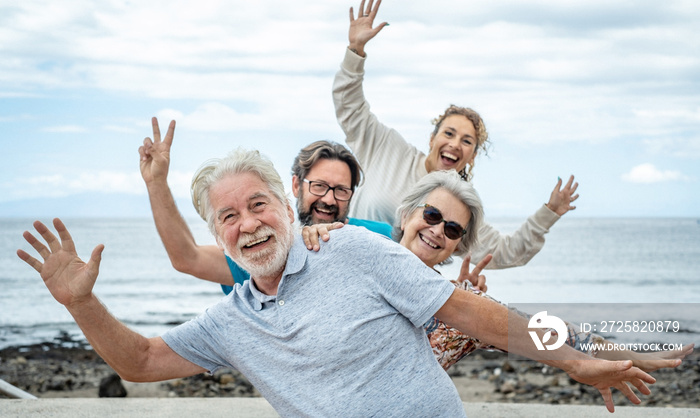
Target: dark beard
x,y
305,216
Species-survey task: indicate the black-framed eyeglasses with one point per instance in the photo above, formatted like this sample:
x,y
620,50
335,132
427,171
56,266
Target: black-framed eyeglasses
x,y
433,216
319,188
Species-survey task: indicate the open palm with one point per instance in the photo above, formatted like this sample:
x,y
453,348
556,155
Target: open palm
x,y
603,375
68,278
361,30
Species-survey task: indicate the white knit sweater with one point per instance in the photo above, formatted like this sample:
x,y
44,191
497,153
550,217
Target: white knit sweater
x,y
392,166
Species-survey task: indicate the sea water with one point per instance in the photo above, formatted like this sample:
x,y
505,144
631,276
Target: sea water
x,y
584,261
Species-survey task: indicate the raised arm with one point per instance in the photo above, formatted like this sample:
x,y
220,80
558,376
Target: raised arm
x,y
518,248
206,262
352,110
374,144
70,282
361,30
509,331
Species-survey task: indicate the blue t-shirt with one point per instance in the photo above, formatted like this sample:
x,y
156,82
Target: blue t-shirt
x,y
381,228
240,275
340,338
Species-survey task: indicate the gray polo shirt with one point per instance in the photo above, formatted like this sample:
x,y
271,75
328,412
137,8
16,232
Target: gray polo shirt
x,y
342,337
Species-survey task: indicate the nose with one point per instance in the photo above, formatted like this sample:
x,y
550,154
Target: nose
x,y
249,224
438,229
329,198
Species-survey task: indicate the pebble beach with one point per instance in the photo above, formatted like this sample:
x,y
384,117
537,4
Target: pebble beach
x,y
69,369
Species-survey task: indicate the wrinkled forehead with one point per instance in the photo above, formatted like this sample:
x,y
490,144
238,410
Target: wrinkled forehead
x,y
238,188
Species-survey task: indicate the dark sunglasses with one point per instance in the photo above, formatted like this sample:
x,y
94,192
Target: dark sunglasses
x,y
433,216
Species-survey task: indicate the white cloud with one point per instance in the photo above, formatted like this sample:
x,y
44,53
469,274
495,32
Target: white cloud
x,y
16,118
61,185
216,117
542,71
16,95
50,181
70,129
648,173
111,181
165,115
120,129
676,146
283,113
618,77
179,182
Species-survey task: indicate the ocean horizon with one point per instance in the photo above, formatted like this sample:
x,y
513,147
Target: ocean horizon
x,y
654,261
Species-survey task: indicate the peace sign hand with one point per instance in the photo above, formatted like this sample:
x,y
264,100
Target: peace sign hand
x,y
475,277
155,154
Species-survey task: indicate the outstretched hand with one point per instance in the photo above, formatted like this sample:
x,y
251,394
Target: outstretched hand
x,y
603,375
67,277
361,30
475,277
155,154
561,198
311,234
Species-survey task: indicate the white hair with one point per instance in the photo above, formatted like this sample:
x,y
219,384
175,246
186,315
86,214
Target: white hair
x,y
454,184
236,162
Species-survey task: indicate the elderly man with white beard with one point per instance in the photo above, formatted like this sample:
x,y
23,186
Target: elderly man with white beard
x,y
336,332
324,176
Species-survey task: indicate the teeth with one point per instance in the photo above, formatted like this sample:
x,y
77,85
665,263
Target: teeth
x,y
428,242
323,211
250,244
449,156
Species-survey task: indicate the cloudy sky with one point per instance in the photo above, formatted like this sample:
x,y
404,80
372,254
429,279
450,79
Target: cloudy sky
x,y
606,90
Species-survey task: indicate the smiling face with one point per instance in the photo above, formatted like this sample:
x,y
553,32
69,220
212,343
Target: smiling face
x,y
453,146
252,225
429,242
314,209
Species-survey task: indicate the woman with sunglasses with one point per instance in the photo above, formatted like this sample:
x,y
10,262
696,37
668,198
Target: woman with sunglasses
x,y
438,218
392,166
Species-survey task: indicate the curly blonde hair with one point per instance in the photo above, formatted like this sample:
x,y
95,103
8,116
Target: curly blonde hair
x,y
482,137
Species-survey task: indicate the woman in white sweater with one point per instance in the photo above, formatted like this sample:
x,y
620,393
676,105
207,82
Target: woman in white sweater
x,y
392,165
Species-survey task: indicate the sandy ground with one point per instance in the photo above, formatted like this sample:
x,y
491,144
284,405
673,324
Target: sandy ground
x,y
50,371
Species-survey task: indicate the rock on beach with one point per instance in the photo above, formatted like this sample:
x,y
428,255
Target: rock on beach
x,y
73,369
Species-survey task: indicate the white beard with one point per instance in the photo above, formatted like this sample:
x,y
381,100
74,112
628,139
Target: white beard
x,y
270,261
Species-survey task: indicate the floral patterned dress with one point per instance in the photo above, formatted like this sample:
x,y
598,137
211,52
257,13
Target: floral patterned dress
x,y
450,345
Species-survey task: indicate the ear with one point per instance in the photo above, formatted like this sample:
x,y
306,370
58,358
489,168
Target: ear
x,y
432,139
403,222
290,213
296,185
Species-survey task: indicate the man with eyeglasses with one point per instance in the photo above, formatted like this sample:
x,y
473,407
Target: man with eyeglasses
x,y
324,177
